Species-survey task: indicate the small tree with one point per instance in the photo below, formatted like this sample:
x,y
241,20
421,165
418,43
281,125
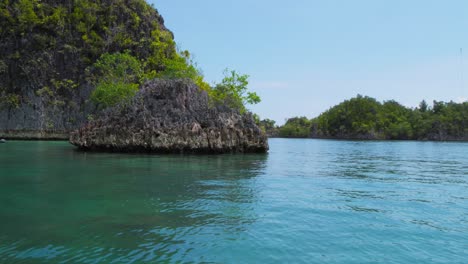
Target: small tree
x,y
182,65
117,77
233,91
423,107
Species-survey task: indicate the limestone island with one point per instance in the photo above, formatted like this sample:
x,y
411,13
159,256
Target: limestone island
x,y
171,116
108,76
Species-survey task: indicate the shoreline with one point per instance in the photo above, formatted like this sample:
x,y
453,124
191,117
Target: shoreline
x,y
371,140
54,136
30,135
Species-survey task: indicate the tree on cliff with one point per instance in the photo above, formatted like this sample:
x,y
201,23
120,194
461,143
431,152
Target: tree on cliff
x,y
116,77
233,91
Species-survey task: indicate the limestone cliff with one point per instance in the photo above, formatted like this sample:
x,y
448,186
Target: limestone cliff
x,y
171,116
46,48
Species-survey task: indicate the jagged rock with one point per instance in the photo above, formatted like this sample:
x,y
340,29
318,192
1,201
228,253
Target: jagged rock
x,y
171,116
44,87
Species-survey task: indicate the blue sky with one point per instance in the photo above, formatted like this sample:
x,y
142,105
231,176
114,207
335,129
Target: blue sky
x,y
304,56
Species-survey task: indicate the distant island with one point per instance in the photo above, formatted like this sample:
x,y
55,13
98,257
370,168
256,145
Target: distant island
x,y
365,118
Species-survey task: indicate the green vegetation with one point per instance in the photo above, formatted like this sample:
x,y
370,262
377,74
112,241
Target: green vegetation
x,y
116,77
366,118
267,125
54,47
232,91
109,94
296,127
51,46
9,101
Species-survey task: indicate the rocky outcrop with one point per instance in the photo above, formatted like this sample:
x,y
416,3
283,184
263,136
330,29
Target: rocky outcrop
x,y
43,117
48,46
171,116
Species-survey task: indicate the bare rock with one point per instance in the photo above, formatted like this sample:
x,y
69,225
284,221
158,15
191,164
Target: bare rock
x,y
171,116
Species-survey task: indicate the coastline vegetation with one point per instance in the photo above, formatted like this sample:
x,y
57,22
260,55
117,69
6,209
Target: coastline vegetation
x,y
364,117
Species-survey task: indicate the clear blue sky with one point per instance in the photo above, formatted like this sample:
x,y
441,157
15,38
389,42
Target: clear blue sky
x,y
305,56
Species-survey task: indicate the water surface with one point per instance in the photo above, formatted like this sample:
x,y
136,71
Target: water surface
x,y
307,201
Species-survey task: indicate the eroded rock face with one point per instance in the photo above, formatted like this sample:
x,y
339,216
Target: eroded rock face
x,y
171,116
44,92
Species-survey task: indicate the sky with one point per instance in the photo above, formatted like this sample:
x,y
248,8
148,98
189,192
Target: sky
x,y
305,56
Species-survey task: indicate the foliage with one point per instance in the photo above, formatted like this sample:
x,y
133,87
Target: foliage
x,y
365,117
117,77
120,67
9,100
26,13
109,94
268,126
162,48
296,127
233,91
357,115
180,65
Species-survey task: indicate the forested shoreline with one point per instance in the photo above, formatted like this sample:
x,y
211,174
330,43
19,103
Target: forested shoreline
x,y
363,117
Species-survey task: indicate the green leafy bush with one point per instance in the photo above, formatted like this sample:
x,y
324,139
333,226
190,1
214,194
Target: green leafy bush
x,y
182,65
296,127
233,91
109,94
117,78
179,66
9,100
267,125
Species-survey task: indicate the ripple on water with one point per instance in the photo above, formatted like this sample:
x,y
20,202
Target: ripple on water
x,y
307,201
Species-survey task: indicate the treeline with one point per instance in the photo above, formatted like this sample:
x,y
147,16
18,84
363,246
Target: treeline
x,y
364,117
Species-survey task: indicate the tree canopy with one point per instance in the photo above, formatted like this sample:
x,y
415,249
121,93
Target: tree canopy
x,y
364,117
233,91
116,77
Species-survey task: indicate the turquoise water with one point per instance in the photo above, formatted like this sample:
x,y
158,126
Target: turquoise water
x,y
307,201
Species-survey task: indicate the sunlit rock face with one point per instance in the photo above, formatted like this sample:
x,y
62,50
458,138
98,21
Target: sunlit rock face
x,y
171,116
